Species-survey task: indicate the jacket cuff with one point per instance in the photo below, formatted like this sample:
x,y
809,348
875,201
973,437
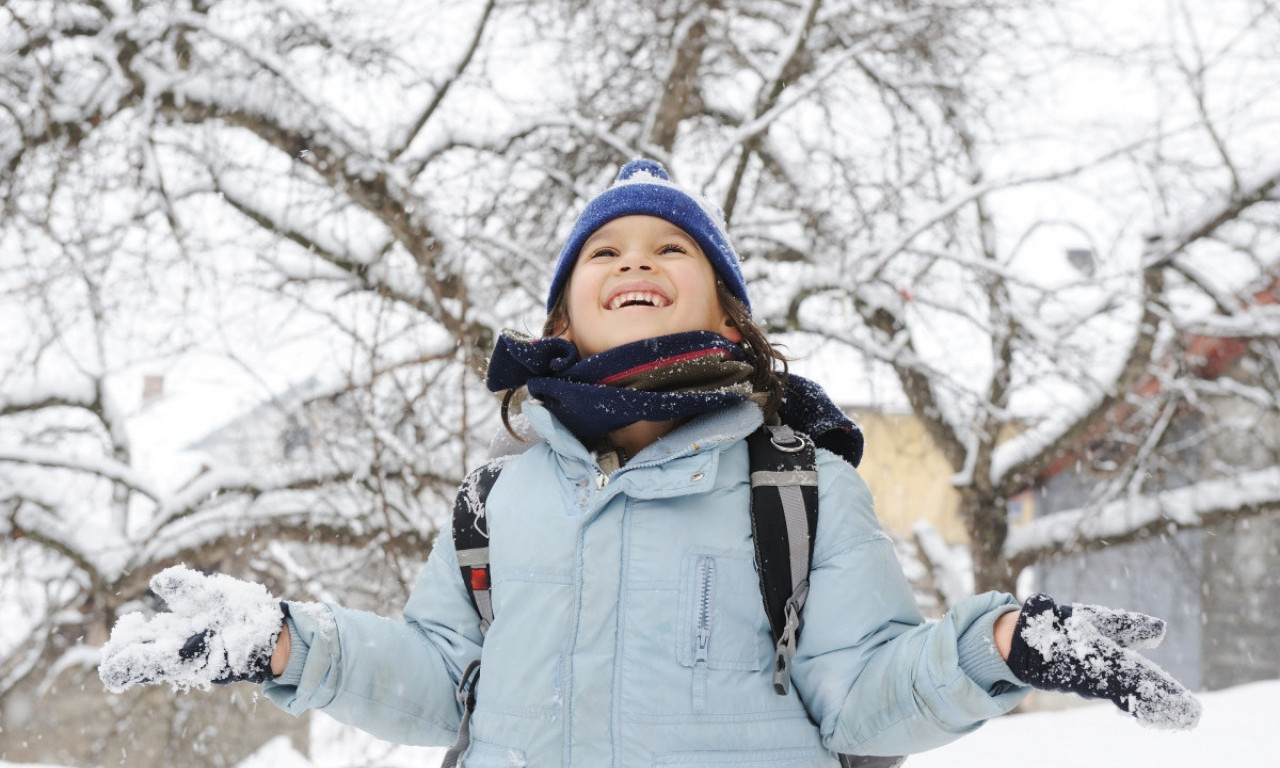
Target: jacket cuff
x,y
979,657
298,648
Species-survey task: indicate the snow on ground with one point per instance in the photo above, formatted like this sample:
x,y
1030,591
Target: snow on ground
x,y
1237,730
277,753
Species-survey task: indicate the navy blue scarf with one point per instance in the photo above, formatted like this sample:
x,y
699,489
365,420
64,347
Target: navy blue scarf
x,y
658,379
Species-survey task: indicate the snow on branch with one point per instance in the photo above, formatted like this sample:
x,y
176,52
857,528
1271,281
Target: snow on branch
x,y
1014,461
919,386
310,518
1042,438
401,144
269,518
76,393
1133,518
278,68
1258,322
41,521
872,264
794,95
789,68
228,481
1164,247
329,259
378,187
93,465
347,256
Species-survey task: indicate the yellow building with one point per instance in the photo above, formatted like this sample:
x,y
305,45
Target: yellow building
x,y
909,478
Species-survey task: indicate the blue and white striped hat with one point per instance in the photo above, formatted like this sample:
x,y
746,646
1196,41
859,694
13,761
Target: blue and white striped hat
x,y
644,188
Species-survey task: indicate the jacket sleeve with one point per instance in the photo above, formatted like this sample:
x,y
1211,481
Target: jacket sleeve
x,y
395,680
877,677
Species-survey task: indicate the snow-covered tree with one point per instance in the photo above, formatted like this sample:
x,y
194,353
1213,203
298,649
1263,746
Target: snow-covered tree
x,y
344,202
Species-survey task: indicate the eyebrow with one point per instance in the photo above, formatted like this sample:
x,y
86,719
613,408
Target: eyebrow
x,y
603,232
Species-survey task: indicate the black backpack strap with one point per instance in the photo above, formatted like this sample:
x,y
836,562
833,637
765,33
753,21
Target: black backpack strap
x,y
471,537
784,524
784,519
471,543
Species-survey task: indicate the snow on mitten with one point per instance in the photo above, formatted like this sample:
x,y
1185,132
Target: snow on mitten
x,y
217,630
1086,650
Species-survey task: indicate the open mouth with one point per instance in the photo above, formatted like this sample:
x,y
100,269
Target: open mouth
x,y
638,299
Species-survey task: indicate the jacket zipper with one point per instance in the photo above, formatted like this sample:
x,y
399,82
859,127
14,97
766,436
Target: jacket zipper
x,y
702,629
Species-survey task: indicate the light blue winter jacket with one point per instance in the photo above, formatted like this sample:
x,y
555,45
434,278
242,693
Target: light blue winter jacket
x,y
601,587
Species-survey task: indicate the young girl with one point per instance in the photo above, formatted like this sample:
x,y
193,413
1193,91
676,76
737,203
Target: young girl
x,y
629,628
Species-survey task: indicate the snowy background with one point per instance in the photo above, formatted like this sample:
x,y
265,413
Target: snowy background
x,y
253,255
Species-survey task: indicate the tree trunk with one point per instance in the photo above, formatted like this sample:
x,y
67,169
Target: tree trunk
x,y
987,525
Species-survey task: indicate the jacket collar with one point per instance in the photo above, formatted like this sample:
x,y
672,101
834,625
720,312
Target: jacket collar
x,y
707,432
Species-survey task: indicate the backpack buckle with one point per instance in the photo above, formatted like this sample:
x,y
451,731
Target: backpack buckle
x,y
785,439
466,691
786,647
467,698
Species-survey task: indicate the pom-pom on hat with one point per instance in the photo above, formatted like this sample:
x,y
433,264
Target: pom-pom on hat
x,y
644,188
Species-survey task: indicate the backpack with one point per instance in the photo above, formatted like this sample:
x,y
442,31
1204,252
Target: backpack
x,y
784,521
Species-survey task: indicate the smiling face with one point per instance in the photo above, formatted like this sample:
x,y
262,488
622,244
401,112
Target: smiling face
x,y
638,277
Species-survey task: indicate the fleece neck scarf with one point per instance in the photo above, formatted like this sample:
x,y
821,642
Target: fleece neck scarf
x,y
658,379
668,377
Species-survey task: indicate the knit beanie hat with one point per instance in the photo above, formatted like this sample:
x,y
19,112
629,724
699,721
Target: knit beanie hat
x,y
643,187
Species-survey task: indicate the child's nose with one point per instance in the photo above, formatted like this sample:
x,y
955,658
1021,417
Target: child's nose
x,y
634,259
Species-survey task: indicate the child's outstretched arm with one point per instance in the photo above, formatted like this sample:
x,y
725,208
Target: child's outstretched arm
x,y
393,679
879,679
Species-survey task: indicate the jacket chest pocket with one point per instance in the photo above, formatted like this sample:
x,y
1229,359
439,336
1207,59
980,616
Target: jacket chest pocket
x,y
722,621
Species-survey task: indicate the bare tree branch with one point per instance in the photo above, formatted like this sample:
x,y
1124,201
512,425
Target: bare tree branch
x,y
786,70
442,90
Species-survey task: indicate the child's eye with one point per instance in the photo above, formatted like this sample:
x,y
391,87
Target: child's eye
x,y
602,252
674,248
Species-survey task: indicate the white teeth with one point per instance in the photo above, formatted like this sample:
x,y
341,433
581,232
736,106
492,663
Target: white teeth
x,y
622,299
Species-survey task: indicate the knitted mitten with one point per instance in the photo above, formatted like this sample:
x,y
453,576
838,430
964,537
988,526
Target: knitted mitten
x,y
1086,650
217,630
